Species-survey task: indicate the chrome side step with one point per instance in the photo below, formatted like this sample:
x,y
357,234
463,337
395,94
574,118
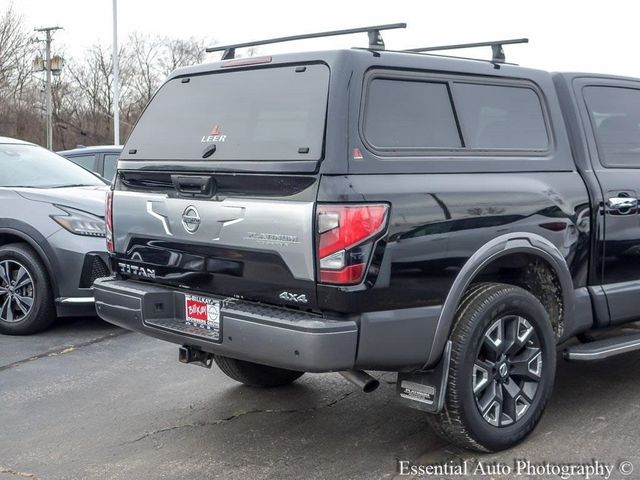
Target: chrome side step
x,y
601,349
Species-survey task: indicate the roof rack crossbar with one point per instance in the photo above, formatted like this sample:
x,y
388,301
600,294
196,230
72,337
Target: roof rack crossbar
x,y
375,39
496,48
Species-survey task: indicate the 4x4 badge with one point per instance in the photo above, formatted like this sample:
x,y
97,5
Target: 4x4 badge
x,y
294,297
191,219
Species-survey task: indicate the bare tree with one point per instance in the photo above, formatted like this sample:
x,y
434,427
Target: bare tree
x,y
19,90
82,95
154,58
13,40
178,53
143,59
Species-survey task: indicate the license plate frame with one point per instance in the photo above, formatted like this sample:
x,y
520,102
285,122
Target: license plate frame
x,y
204,313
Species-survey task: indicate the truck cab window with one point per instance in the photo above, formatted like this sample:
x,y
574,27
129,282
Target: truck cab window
x,y
615,117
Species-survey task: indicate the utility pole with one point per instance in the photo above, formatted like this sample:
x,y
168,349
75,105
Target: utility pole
x,y
116,78
47,66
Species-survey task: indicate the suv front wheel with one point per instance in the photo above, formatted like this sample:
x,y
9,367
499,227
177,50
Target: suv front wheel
x,y
26,301
502,368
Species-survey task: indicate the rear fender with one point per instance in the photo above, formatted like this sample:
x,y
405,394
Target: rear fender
x,y
521,242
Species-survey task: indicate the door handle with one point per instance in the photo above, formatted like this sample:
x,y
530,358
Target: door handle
x,y
193,185
622,205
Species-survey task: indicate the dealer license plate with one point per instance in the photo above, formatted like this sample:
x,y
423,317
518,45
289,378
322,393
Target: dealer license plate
x,y
204,312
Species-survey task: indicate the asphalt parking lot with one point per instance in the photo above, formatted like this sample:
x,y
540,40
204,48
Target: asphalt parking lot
x,y
87,400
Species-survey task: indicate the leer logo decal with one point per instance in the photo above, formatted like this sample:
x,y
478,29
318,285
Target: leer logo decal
x,y
214,136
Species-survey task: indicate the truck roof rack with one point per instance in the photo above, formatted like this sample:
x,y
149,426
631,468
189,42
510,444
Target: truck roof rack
x,y
375,39
496,48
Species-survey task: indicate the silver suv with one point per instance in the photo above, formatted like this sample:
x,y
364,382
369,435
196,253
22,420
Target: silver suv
x,y
51,237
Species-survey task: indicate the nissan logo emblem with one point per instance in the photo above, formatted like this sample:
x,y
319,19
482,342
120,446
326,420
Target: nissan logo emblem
x,y
191,219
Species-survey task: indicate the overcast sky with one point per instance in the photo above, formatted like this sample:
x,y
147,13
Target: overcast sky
x,y
565,35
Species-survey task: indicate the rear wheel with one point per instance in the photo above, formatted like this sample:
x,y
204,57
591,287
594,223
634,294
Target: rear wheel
x,y
254,374
501,371
26,302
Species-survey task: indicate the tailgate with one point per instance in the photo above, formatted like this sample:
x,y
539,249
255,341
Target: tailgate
x,y
257,245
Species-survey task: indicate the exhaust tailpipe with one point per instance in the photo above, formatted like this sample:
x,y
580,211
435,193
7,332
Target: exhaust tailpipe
x,y
361,379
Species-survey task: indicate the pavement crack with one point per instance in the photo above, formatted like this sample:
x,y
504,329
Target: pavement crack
x,y
235,416
11,471
230,418
64,350
342,397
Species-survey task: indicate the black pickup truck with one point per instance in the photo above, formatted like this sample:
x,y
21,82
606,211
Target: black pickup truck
x,y
449,219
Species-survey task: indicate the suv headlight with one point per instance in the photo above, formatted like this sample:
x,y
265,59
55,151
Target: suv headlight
x,y
79,222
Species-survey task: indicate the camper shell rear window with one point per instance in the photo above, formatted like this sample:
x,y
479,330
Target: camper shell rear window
x,y
261,114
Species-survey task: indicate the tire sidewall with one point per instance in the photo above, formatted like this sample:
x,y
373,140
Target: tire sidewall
x,y
41,311
525,305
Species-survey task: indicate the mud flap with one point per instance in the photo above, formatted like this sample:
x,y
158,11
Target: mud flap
x,y
426,390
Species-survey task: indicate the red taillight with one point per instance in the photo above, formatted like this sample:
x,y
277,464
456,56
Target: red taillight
x,y
343,231
347,276
108,220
